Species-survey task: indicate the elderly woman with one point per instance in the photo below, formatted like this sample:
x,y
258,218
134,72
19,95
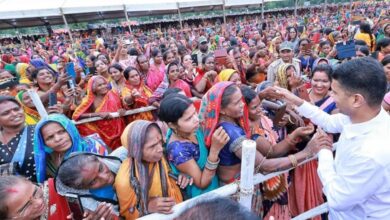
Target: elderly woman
x,y
100,102
55,138
31,114
142,183
16,140
91,177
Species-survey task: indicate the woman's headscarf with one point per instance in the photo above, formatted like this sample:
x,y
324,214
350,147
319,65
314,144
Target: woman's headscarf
x,y
87,101
79,144
32,117
225,75
21,69
281,75
133,138
315,64
11,69
210,110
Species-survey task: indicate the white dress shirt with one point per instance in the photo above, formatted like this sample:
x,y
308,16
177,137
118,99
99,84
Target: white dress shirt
x,y
357,182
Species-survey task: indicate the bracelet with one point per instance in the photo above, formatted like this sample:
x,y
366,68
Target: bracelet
x,y
212,165
293,160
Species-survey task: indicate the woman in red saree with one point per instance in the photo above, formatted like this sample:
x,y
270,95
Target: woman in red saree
x,y
136,95
99,102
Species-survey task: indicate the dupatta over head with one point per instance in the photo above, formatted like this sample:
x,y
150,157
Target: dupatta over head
x,y
109,129
210,110
31,115
144,174
79,144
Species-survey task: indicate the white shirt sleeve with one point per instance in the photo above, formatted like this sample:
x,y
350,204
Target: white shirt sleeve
x,y
359,180
330,123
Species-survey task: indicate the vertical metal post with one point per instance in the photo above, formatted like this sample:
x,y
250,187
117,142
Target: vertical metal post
x,y
178,11
325,6
127,17
295,8
262,9
224,12
67,26
350,6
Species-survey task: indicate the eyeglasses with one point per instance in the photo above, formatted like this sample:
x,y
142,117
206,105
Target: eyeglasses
x,y
37,194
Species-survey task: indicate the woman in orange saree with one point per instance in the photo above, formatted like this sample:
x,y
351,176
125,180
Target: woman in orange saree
x,y
99,102
136,95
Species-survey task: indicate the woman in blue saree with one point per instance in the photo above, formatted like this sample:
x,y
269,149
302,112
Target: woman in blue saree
x,y
55,138
186,149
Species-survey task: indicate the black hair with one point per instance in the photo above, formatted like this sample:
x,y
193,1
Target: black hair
x,y
386,60
326,68
365,76
165,54
173,63
97,60
172,107
323,43
363,49
227,94
248,94
91,57
127,71
365,28
6,182
133,52
4,98
34,74
70,170
171,91
116,66
360,43
218,208
303,39
105,56
250,71
384,42
204,59
155,52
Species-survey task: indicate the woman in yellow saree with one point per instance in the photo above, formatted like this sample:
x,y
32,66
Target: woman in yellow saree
x,y
142,182
99,102
32,117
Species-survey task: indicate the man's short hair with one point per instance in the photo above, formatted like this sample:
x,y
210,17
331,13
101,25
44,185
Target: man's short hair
x,y
365,76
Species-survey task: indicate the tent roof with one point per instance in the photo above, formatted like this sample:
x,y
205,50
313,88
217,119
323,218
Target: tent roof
x,y
26,13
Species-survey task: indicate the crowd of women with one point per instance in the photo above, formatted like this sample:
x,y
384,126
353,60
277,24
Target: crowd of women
x,y
213,87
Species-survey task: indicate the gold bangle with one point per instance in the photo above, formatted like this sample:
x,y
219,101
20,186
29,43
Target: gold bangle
x,y
293,160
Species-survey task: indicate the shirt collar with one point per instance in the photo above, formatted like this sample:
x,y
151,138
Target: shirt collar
x,y
353,130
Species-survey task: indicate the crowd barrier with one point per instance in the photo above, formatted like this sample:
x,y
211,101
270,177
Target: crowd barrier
x,y
244,187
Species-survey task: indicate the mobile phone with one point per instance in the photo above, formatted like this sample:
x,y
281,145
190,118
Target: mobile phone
x,y
70,70
70,84
75,206
52,99
194,58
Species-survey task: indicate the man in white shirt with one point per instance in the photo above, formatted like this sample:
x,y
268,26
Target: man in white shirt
x,y
357,182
